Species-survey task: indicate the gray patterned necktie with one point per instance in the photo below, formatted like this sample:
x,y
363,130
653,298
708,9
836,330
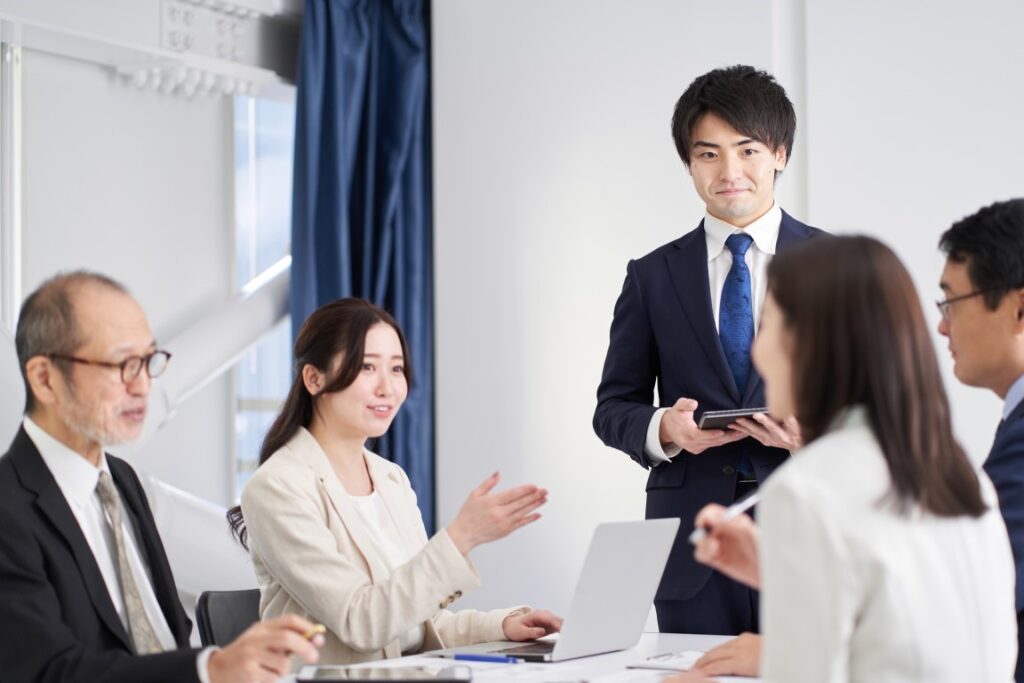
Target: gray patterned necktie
x,y
139,626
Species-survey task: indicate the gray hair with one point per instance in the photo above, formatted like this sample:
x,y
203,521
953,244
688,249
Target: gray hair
x,y
47,323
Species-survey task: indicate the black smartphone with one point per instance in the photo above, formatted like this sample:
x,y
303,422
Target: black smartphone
x,y
720,419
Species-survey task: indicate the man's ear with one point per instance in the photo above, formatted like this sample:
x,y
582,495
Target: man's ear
x,y
781,158
313,379
41,375
1019,301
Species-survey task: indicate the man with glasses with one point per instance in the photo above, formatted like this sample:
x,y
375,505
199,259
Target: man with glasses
x,y
983,319
86,591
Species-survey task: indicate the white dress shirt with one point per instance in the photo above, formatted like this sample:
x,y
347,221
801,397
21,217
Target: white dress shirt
x,y
77,479
1013,397
383,533
765,233
853,592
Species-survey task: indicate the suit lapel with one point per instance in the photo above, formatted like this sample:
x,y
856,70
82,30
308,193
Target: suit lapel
x,y
688,268
1015,414
791,233
392,490
307,448
152,549
35,476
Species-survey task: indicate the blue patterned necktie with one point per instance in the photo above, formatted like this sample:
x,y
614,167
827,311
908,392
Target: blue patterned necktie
x,y
736,312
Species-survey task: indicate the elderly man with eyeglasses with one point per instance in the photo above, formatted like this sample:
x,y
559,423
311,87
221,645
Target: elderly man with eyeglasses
x,y
86,592
983,319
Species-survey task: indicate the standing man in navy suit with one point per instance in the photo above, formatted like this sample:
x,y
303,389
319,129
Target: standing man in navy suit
x,y
983,319
685,321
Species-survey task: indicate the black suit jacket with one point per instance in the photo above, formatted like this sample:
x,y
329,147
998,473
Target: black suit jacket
x,y
57,622
1005,467
663,331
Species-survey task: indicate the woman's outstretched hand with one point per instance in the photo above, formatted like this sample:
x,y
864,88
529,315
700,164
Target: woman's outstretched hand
x,y
487,515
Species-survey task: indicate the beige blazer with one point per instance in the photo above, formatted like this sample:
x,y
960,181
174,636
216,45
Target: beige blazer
x,y
314,557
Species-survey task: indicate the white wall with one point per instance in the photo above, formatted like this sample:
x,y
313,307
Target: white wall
x,y
554,165
913,116
136,184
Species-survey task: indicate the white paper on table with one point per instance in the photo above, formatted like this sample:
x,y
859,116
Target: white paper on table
x,y
630,676
672,661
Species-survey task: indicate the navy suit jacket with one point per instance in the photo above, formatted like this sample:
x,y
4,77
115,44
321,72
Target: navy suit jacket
x,y
57,622
1005,467
663,331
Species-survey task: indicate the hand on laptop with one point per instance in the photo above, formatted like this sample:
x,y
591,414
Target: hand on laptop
x,y
740,656
531,626
264,652
487,516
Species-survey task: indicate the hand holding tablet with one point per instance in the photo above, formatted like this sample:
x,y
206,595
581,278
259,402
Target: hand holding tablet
x,y
721,419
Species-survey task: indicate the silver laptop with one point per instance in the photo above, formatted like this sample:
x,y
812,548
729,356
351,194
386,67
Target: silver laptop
x,y
612,600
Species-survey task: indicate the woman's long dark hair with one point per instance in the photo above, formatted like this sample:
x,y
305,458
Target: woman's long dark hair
x,y
860,337
337,328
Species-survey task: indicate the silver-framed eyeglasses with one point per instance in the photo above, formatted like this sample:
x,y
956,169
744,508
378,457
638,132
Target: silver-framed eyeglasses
x,y
155,364
943,306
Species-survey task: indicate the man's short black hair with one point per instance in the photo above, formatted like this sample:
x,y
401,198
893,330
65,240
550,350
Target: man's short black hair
x,y
991,243
749,100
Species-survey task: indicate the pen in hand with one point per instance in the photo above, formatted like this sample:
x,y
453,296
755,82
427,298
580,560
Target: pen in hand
x,y
314,631
733,511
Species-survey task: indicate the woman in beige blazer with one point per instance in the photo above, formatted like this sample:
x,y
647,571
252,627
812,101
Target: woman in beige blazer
x,y
334,531
879,550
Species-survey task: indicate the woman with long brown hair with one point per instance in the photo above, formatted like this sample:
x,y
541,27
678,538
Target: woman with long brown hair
x,y
879,550
334,531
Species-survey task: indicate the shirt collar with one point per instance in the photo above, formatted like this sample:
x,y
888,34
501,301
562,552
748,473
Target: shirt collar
x,y
1013,397
76,476
764,231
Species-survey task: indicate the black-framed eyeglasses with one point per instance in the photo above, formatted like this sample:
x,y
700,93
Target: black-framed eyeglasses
x,y
155,364
943,306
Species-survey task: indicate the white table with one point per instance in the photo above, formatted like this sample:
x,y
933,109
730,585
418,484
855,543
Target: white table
x,y
609,668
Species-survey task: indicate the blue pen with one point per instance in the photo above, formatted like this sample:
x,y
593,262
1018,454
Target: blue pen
x,y
497,659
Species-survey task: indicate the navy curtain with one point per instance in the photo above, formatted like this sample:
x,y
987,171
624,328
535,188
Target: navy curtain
x,y
361,213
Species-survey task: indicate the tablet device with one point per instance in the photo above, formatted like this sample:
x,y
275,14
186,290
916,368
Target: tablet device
x,y
720,419
384,674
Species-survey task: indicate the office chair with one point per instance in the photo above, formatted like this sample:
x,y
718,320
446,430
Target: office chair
x,y
222,616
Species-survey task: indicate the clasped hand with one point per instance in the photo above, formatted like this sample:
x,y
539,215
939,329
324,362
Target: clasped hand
x,y
679,427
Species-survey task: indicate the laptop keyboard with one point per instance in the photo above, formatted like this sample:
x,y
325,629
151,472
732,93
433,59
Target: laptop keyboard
x,y
542,647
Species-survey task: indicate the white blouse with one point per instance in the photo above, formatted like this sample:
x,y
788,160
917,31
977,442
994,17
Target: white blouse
x,y
852,591
384,535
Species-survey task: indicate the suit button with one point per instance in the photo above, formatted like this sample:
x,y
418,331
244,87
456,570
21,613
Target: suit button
x,y
458,594
729,469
